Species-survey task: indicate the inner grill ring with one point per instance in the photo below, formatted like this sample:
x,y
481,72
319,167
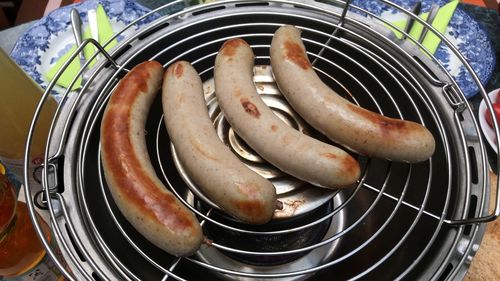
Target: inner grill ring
x,y
392,203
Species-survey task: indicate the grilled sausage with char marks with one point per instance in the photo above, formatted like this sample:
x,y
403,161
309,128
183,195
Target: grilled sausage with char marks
x,y
356,128
288,149
139,194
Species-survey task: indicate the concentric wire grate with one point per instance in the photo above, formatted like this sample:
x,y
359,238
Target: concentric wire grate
x,y
400,221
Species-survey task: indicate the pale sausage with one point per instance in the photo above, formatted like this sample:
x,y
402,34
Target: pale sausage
x,y
356,128
230,184
286,148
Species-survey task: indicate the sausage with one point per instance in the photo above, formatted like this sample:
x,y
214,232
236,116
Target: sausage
x,y
289,150
139,194
230,184
356,128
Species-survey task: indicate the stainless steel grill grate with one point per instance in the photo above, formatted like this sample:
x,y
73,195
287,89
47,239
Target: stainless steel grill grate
x,y
402,221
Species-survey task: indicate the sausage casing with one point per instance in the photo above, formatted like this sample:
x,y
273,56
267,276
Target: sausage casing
x,y
286,148
139,194
235,188
356,128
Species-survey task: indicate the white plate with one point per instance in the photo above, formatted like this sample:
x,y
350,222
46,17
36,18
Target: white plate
x,y
488,131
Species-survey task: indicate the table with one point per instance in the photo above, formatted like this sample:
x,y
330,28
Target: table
x,y
485,265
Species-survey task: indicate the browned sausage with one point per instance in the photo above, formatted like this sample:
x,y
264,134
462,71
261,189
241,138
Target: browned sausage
x,y
139,194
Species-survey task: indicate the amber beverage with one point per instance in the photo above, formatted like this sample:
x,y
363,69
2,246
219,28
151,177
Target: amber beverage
x,y
22,255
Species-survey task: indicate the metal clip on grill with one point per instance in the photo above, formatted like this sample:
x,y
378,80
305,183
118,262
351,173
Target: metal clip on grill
x,y
401,221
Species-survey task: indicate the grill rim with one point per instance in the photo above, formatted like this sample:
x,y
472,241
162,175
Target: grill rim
x,y
61,198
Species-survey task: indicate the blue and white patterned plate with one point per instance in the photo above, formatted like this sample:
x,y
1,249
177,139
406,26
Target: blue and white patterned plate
x,y
37,50
463,31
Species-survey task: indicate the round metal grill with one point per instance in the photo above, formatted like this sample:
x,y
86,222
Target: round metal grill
x,y
401,221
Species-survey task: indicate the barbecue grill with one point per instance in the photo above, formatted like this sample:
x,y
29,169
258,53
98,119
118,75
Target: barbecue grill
x,y
401,221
